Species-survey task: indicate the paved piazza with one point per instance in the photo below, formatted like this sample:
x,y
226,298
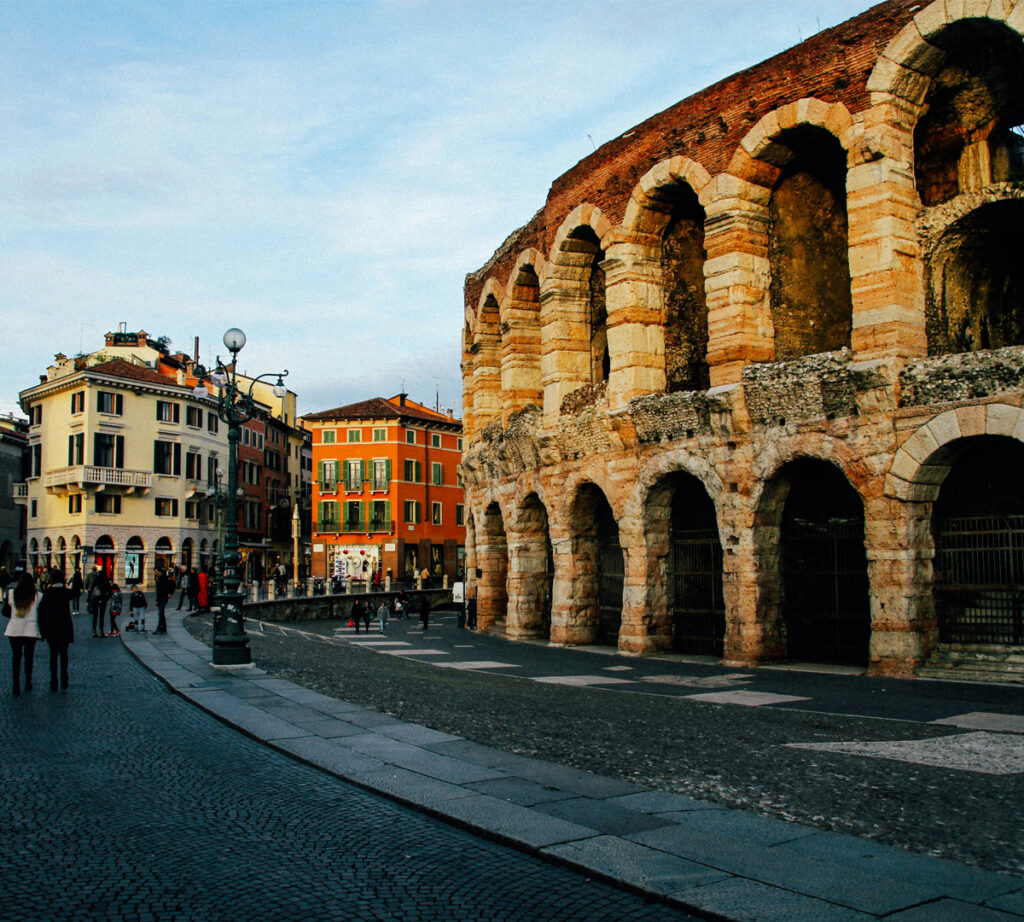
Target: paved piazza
x,y
122,801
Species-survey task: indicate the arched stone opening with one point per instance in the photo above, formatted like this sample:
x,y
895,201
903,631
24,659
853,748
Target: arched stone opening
x,y
520,342
492,562
682,268
187,553
104,551
969,134
584,243
808,246
810,540
47,558
62,554
486,351
164,550
978,529
682,532
976,281
598,568
531,572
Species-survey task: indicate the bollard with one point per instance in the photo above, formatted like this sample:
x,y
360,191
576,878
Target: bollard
x,y
444,581
419,581
387,582
348,586
254,591
271,591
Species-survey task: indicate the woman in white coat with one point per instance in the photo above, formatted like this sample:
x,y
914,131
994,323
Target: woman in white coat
x,y
22,628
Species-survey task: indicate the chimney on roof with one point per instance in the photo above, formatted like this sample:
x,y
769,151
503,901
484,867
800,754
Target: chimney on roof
x,y
401,399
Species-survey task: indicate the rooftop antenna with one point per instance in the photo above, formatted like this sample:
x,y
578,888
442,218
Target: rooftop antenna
x,y
437,396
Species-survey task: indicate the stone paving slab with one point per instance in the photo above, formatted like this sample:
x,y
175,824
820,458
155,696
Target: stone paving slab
x,y
411,787
750,901
751,828
602,816
519,824
328,755
662,802
614,858
519,791
415,758
254,721
414,733
952,911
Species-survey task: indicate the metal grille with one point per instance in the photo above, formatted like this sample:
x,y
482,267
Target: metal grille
x,y
699,610
611,577
979,579
826,607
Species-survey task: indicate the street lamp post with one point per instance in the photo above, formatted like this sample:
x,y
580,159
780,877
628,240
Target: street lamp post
x,y
230,642
295,547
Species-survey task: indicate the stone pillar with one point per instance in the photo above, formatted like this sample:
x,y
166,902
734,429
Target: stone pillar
x,y
886,269
636,324
900,551
527,586
492,587
520,352
486,379
643,599
565,345
736,273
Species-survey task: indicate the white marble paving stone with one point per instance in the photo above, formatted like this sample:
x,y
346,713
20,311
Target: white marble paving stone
x,y
481,664
748,698
711,681
582,680
377,642
618,669
986,753
418,652
980,720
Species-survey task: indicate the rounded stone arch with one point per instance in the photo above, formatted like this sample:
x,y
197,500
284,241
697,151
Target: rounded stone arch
x,y
905,68
923,461
645,215
585,215
492,289
571,487
491,542
531,564
757,159
520,330
531,256
485,354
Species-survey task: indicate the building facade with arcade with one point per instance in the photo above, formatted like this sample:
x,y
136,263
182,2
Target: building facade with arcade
x,y
748,385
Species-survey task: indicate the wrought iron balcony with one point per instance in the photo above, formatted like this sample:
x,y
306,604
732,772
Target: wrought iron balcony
x,y
329,527
373,527
90,477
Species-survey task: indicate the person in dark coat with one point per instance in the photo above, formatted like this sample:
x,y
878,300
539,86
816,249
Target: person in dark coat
x,y
425,612
471,613
357,614
56,626
164,591
76,590
99,593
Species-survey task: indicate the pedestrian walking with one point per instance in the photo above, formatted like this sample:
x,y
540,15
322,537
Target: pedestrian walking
x,y
116,603
382,616
96,600
76,590
357,613
57,628
21,607
403,600
193,589
137,601
183,584
471,613
164,591
425,613
203,594
367,610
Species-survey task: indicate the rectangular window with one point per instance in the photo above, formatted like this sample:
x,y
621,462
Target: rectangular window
x,y
328,477
36,467
251,515
381,473
74,503
435,441
459,444
212,422
380,516
192,510
327,436
108,503
410,436
354,473
412,511
194,465
76,449
110,403
460,514
35,414
34,508
412,471
107,450
165,506
167,458
353,511
355,435
436,473
435,513
328,519
77,402
194,417
167,412
380,435
245,436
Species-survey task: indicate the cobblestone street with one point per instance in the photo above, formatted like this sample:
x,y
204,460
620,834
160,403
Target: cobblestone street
x,y
908,763
122,801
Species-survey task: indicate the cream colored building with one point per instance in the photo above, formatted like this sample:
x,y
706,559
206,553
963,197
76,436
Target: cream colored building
x,y
124,460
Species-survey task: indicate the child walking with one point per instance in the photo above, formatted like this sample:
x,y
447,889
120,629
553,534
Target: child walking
x,y
138,609
116,601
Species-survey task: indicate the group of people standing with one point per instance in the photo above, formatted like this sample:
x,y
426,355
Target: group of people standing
x,y
363,611
33,615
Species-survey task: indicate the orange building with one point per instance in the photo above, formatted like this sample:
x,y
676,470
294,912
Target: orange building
x,y
386,491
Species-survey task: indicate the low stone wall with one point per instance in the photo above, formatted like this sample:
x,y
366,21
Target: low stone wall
x,y
326,607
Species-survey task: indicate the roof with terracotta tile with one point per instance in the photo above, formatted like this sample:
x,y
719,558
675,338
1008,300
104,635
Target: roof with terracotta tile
x,y
382,408
119,368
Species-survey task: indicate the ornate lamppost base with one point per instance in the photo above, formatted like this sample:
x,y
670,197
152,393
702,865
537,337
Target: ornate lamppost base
x,y
232,651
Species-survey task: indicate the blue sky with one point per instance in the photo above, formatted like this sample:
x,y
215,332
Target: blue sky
x,y
322,175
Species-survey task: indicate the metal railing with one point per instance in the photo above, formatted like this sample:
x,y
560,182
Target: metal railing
x,y
373,527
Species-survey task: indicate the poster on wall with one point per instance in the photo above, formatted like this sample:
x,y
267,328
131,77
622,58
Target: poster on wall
x,y
131,567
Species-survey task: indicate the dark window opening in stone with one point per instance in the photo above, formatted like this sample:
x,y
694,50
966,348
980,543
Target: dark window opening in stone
x,y
826,610
584,241
682,267
811,304
978,527
975,295
968,136
698,608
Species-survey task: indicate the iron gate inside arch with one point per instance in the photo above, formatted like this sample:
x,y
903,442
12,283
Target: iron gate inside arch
x,y
699,609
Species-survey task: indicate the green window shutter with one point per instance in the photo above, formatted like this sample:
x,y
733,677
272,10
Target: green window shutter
x,y
362,472
419,475
362,515
387,470
387,513
344,515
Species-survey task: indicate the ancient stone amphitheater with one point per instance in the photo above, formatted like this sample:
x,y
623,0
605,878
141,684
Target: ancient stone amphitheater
x,y
749,384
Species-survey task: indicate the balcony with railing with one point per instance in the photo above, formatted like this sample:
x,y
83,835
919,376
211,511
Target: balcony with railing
x,y
353,485
328,527
90,477
19,493
373,527
328,486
